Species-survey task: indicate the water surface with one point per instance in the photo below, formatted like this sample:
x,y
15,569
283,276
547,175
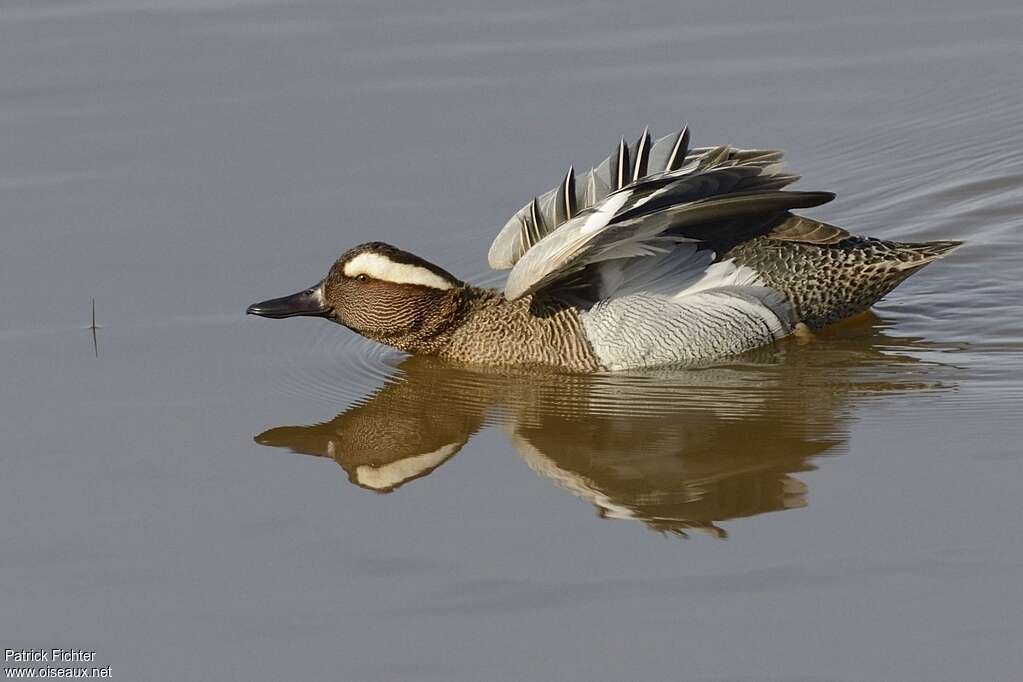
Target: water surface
x,y
839,508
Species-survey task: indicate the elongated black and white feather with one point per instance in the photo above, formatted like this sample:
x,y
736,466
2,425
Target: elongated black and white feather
x,y
642,156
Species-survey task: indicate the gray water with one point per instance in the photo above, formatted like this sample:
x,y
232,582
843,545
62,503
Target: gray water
x,y
842,508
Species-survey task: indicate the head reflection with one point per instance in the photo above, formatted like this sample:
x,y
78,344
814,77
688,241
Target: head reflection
x,y
677,450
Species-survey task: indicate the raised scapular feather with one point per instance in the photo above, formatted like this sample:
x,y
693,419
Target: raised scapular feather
x,y
381,267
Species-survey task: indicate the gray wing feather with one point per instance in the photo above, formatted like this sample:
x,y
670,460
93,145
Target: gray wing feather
x,y
582,240
638,202
665,155
669,152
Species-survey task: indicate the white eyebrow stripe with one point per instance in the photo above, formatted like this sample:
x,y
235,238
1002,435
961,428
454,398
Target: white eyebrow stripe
x,y
383,268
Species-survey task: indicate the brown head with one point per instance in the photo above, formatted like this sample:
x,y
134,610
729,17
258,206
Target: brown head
x,y
381,292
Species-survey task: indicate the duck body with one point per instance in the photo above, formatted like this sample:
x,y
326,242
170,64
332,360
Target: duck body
x,y
662,255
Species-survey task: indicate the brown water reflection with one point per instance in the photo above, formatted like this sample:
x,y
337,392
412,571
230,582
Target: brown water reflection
x,y
677,450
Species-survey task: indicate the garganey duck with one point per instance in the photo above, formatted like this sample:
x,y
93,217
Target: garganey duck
x,y
662,254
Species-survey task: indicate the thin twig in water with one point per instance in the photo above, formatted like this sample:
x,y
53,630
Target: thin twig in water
x,y
93,328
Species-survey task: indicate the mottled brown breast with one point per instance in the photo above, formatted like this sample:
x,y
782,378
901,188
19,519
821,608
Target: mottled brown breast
x,y
521,332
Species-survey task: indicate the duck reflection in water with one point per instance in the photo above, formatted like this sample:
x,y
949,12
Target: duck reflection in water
x,y
677,450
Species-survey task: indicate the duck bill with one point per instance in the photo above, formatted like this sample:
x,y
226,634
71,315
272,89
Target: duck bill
x,y
308,303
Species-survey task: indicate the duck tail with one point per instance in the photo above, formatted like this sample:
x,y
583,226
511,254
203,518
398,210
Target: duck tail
x,y
920,254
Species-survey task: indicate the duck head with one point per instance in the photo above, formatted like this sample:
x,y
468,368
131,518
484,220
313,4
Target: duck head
x,y
380,292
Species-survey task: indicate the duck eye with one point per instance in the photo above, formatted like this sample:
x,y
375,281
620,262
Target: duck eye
x,y
361,278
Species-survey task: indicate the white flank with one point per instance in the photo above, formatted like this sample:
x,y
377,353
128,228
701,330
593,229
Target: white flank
x,y
394,474
383,268
571,481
